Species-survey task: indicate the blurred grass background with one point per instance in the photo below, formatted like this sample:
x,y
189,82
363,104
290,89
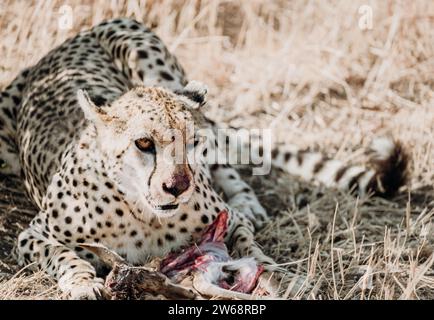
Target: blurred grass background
x,y
321,74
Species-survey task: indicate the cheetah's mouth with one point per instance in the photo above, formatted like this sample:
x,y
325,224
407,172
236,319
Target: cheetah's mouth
x,y
163,210
167,207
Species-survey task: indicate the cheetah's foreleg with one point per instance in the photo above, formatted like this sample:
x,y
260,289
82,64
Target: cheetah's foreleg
x,y
76,277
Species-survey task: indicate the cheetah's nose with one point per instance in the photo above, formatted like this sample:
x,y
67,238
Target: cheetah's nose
x,y
179,184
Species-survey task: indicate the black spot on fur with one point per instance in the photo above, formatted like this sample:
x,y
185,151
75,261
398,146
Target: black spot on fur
x,y
340,173
204,219
169,237
318,167
166,76
142,54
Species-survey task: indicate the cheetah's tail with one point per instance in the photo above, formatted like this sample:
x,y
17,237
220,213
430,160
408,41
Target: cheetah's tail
x,y
384,174
10,100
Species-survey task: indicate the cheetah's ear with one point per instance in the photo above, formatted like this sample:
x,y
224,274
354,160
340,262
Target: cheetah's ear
x,y
195,91
91,111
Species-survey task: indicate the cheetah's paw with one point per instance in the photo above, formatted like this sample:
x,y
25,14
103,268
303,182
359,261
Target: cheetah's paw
x,y
251,208
87,290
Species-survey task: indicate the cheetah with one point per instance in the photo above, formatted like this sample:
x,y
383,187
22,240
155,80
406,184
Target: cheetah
x,y
102,130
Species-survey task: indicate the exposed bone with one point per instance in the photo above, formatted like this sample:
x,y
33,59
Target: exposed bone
x,y
210,290
125,282
107,256
129,282
202,270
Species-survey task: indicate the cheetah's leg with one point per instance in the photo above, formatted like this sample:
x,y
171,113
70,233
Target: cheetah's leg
x,y
242,240
140,54
10,99
239,194
76,277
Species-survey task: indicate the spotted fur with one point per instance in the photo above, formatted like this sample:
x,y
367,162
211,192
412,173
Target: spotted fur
x,y
383,175
87,128
72,124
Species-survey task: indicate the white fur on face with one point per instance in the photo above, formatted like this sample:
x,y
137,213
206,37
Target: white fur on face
x,y
140,175
143,176
132,175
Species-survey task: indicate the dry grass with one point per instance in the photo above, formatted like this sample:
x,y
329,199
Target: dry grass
x,y
305,69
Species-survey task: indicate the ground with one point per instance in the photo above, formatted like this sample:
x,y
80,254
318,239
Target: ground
x,y
320,74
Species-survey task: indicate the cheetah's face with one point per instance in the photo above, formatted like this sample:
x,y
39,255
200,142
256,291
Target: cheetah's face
x,y
146,138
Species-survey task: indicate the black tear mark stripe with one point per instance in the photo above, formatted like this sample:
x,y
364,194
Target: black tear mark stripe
x,y
153,169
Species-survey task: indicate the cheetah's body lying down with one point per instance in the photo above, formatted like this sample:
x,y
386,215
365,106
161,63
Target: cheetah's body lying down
x,y
93,128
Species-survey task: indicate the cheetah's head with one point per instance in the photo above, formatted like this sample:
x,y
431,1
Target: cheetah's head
x,y
146,140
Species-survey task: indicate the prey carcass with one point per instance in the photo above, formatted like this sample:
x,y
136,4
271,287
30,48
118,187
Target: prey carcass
x,y
202,270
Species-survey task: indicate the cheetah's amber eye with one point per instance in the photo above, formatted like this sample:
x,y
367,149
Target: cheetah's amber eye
x,y
145,145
